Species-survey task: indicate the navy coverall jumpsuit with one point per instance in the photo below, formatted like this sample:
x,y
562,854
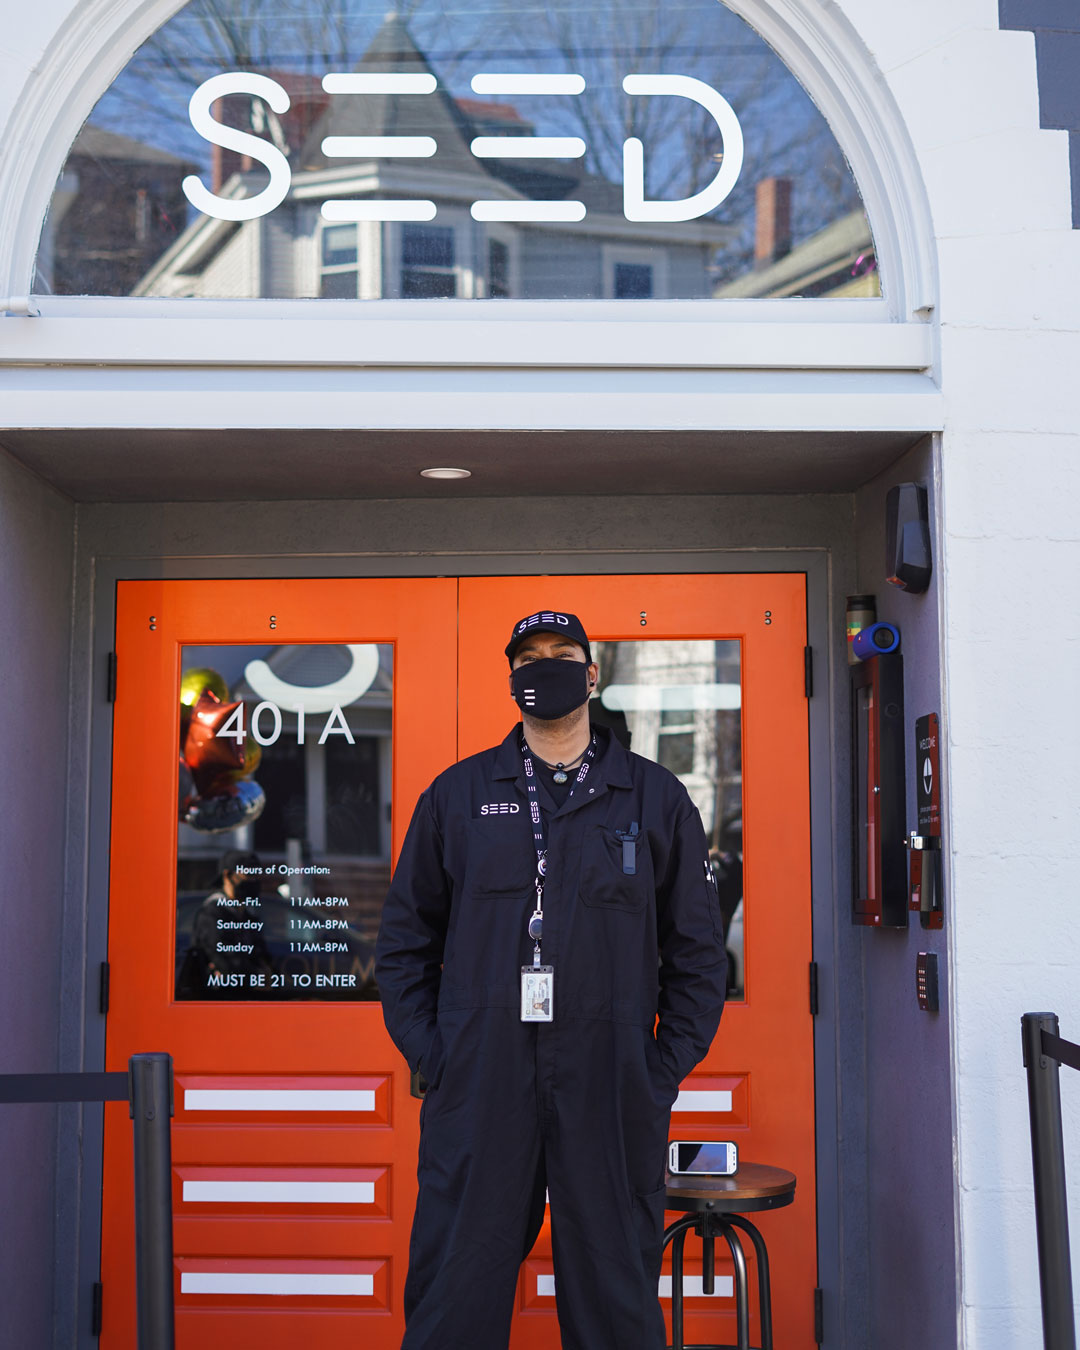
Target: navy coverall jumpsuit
x,y
580,1105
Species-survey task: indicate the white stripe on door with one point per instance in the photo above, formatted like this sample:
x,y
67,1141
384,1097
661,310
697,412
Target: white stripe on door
x,y
692,1287
279,1099
274,1282
720,1102
280,1192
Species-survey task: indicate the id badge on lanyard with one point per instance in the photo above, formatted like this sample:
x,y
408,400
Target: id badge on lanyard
x,y
537,993
538,981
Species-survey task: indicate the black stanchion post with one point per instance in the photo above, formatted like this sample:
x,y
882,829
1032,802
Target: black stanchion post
x,y
151,1111
1048,1164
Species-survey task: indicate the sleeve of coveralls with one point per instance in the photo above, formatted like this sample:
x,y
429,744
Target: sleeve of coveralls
x,y
693,962
409,950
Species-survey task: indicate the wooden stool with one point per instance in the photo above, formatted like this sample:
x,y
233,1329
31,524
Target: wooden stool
x,y
715,1207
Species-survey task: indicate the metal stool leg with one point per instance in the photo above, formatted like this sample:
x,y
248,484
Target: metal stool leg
x,y
764,1289
742,1292
708,1256
676,1235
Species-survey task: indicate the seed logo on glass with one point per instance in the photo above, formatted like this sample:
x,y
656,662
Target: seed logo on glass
x,y
636,206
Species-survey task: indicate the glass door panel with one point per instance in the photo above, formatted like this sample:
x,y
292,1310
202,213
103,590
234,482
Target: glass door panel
x,y
679,702
284,800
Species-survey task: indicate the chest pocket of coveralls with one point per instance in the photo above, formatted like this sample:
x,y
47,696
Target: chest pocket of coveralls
x,y
605,884
501,861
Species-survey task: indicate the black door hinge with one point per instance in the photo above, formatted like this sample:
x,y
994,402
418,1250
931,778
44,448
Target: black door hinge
x,y
110,679
813,989
103,989
808,671
819,1316
95,1309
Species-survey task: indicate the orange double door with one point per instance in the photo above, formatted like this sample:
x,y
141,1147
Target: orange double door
x,y
270,741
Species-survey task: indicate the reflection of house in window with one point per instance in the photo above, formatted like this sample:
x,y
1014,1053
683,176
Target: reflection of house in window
x,y
634,273
498,269
682,701
117,206
340,263
328,801
427,261
837,261
293,252
331,799
633,281
675,740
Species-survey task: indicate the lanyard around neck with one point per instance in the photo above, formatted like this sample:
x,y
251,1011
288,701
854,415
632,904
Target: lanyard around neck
x,y
539,828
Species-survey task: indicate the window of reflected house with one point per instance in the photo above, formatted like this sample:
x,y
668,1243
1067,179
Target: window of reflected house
x,y
479,151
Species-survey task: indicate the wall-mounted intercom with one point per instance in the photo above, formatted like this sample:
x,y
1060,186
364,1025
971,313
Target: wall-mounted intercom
x,y
926,889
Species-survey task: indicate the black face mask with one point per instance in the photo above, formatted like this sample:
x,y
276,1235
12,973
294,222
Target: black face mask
x,y
550,688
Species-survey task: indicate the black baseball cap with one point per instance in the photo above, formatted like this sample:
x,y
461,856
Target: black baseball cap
x,y
548,621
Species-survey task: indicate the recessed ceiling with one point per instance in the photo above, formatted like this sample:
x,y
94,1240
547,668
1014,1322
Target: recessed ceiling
x,y
127,466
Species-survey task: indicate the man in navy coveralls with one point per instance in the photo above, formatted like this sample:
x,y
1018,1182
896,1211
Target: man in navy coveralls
x,y
629,926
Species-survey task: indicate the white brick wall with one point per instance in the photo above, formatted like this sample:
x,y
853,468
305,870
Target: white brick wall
x,y
1010,357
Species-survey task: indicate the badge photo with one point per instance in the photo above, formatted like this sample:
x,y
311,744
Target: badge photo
x,y
537,993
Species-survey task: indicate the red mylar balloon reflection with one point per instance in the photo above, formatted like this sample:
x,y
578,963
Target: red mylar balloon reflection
x,y
222,796
209,754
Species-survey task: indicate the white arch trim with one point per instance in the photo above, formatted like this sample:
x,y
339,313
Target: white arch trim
x,y
822,48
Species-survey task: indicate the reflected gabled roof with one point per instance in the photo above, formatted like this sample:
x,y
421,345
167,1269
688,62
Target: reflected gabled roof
x,y
393,51
452,122
97,143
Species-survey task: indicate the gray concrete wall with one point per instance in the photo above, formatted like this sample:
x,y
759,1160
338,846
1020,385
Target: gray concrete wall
x,y
36,562
911,1228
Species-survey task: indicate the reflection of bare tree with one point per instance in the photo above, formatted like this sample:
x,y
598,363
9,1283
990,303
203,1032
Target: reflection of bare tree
x,y
602,41
298,41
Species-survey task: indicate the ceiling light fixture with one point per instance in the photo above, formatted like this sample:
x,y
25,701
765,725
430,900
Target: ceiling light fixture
x,y
445,473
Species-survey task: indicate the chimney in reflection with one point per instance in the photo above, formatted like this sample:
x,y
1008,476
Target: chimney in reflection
x,y
772,221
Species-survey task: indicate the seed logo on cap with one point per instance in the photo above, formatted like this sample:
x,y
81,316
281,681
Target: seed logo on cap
x,y
534,619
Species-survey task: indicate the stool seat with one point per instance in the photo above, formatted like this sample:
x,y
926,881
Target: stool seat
x,y
754,1186
714,1207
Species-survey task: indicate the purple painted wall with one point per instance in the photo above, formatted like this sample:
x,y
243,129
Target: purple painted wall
x,y
36,560
909,1112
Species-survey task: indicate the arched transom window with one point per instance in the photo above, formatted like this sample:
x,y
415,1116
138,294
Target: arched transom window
x,y
579,149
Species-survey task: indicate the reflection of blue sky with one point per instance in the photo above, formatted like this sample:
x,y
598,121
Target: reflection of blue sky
x,y
229,662
600,39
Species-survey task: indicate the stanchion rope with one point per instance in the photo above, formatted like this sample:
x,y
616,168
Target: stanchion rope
x,y
64,1087
1065,1052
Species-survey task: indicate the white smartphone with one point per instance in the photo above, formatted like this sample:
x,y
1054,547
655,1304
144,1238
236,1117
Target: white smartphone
x,y
702,1158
